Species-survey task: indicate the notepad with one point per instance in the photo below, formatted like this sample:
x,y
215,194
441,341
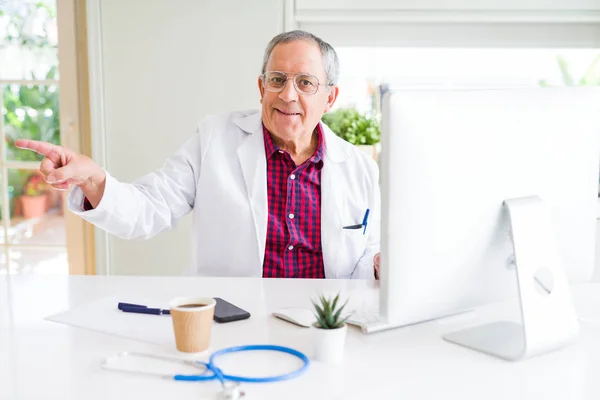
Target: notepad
x,y
102,315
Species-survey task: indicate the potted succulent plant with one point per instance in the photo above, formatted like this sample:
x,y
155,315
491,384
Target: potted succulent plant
x,y
330,330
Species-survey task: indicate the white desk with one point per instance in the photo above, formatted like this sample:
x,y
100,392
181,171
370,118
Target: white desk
x,y
43,359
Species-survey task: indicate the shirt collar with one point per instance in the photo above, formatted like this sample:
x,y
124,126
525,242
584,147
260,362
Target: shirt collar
x,y
270,147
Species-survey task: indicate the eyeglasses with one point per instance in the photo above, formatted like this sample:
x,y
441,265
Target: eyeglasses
x,y
275,81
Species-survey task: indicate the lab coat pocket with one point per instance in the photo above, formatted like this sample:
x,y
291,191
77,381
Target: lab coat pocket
x,y
352,247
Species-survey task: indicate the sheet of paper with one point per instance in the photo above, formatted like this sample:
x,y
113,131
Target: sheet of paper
x,y
103,315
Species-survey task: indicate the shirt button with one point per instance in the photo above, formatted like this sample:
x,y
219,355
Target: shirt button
x,y
281,151
291,216
292,176
291,248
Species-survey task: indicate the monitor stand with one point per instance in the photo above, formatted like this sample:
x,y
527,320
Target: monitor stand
x,y
548,318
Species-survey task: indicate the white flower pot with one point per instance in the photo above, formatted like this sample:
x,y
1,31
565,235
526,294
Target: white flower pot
x,y
329,344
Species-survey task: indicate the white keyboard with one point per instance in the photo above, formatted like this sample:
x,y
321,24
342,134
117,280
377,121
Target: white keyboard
x,y
367,318
368,322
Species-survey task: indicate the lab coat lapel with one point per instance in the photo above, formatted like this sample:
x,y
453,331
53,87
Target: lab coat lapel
x,y
251,155
332,201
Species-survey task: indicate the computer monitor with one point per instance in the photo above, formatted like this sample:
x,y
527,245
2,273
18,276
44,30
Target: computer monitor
x,y
450,159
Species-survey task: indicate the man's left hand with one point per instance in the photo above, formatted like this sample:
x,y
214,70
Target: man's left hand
x,y
376,265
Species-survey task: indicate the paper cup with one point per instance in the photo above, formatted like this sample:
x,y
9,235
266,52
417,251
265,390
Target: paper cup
x,y
192,322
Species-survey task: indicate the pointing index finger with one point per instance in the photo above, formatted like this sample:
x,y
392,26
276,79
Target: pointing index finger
x,y
42,148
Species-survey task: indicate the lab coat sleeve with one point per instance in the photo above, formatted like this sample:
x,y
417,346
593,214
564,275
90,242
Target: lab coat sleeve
x,y
150,204
364,267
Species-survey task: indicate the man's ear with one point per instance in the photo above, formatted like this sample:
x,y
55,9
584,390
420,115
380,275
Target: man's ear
x,y
333,94
261,89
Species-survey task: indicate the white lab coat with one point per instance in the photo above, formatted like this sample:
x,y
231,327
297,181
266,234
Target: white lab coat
x,y
220,174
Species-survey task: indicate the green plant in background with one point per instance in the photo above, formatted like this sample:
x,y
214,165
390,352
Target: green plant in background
x,y
354,127
591,77
29,111
328,315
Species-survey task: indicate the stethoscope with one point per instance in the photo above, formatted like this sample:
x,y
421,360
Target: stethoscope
x,y
210,371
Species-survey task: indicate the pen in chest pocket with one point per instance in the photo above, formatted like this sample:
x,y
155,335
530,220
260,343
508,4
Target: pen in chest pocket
x,y
363,225
365,219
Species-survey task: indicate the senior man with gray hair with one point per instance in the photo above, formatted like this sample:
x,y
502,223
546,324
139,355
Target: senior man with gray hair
x,y
275,193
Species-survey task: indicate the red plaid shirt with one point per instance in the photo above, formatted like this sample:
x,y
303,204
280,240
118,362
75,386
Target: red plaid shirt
x,y
293,248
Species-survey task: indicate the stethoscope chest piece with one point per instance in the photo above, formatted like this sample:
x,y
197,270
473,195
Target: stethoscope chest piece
x,y
231,391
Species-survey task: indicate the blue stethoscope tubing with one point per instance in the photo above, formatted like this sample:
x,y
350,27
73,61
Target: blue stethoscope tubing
x,y
217,373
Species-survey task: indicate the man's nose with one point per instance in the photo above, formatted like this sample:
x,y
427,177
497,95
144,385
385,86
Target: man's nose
x,y
288,93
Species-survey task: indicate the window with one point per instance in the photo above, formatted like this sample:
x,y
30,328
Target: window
x,y
32,231
365,69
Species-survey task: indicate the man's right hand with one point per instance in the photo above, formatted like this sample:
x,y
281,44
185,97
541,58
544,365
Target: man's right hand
x,y
62,168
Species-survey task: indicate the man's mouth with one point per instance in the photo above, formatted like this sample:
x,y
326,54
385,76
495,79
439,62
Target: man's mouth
x,y
287,113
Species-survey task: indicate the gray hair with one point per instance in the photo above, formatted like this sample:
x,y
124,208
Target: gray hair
x,y
330,58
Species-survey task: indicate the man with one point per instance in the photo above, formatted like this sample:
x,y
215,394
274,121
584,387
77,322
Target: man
x,y
275,193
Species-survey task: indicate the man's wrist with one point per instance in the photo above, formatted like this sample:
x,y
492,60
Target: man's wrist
x,y
93,189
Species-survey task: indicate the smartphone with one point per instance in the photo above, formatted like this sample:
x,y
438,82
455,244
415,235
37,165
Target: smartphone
x,y
227,312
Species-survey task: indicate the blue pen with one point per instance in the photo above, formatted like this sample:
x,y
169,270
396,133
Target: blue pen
x,y
365,219
141,309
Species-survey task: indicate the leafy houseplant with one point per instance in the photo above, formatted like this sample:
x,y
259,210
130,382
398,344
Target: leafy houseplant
x,y
330,332
358,129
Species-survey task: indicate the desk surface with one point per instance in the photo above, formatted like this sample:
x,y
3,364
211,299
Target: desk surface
x,y
43,359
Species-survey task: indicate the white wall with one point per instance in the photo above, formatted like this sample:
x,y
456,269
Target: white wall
x,y
164,65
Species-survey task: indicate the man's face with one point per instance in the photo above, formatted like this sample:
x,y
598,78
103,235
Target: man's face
x,y
289,114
